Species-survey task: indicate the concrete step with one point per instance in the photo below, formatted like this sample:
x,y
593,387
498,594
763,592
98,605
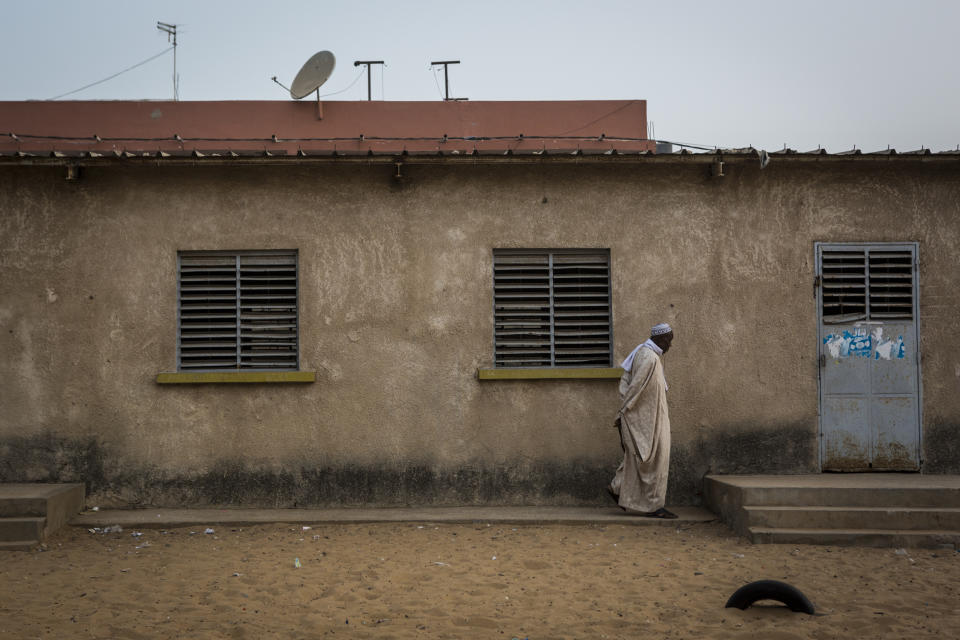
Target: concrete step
x,y
20,506
31,512
25,499
18,545
878,509
12,529
919,538
846,517
877,497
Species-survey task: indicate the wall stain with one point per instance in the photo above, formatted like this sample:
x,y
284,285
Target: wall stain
x,y
843,452
784,449
941,446
239,483
893,456
52,458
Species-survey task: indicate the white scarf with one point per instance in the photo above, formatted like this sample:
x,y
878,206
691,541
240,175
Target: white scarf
x,y
649,344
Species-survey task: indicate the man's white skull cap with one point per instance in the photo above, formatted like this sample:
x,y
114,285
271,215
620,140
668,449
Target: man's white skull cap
x,y
660,329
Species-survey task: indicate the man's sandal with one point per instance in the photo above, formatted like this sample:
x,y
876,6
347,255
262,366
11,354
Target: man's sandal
x,y
661,513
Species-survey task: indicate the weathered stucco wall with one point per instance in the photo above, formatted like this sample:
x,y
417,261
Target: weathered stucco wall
x,y
396,316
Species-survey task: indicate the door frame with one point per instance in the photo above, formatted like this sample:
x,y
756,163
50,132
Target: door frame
x,y
818,272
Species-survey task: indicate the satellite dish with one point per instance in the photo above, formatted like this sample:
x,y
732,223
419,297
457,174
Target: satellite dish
x,y
314,73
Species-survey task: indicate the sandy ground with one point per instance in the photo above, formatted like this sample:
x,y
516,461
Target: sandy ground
x,y
464,581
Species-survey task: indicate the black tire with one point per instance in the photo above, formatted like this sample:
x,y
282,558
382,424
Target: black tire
x,y
770,590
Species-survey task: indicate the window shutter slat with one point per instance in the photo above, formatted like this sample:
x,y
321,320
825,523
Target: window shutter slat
x,y
891,284
521,310
268,312
844,285
238,310
551,308
866,284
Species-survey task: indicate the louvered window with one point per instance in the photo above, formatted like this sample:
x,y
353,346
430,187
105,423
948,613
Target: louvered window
x,y
552,308
867,284
238,310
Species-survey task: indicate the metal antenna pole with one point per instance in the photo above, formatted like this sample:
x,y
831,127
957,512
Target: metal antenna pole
x,y
446,77
171,31
357,63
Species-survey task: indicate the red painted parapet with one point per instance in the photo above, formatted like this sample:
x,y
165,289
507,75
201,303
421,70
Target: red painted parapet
x,y
288,127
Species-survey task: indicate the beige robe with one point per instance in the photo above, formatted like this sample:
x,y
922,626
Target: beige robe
x,y
641,479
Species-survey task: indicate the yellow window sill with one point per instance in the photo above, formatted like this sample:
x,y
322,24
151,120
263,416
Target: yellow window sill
x,y
586,373
184,377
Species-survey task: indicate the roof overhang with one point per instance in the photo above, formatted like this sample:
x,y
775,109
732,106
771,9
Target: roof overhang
x,y
198,158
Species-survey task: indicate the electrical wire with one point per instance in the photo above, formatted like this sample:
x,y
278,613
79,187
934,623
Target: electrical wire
x,y
93,84
437,82
342,138
606,115
348,86
685,145
606,138
278,139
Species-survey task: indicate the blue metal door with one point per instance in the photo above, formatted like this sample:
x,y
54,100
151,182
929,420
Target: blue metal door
x,y
869,364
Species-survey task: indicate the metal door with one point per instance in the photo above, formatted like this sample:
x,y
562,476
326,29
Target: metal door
x,y
869,357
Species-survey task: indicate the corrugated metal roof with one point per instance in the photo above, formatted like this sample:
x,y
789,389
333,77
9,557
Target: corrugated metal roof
x,y
198,155
259,156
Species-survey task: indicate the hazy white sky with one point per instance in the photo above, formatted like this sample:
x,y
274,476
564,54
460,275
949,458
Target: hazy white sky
x,y
837,73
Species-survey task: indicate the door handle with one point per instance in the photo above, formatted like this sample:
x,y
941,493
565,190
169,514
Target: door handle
x,y
823,360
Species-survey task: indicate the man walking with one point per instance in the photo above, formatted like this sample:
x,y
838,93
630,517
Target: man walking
x,y
640,484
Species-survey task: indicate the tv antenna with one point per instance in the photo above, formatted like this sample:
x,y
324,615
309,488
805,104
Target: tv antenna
x,y
171,31
312,74
446,78
357,63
